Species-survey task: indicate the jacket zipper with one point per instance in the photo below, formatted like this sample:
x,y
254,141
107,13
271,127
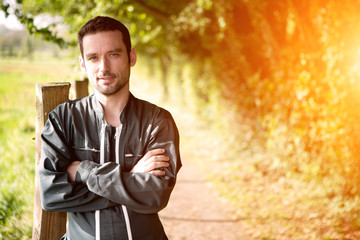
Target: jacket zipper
x,y
102,160
117,152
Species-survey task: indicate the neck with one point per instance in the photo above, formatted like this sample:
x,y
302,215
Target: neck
x,y
113,105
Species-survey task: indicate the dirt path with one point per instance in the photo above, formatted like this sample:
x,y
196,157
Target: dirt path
x,y
195,212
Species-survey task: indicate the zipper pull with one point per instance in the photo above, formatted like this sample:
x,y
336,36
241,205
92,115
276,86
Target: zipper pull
x,y
118,132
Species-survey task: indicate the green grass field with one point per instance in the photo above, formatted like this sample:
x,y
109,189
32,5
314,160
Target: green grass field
x,y
17,143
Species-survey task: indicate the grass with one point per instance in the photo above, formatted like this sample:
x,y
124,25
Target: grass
x,y
17,132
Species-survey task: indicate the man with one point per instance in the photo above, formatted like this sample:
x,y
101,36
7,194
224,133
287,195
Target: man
x,y
110,160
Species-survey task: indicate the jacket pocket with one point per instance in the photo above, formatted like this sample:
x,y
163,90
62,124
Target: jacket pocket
x,y
87,153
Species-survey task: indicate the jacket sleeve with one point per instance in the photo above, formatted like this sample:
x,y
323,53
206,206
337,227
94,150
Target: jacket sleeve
x,y
57,192
141,192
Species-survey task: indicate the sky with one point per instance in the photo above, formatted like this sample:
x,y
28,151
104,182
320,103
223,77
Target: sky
x,y
10,22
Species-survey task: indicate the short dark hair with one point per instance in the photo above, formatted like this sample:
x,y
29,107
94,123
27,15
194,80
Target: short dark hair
x,y
103,24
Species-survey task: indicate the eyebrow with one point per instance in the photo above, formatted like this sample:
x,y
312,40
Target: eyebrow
x,y
115,50
111,51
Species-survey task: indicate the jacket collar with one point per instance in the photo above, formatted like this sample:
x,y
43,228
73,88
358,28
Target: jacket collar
x,y
100,111
96,105
128,108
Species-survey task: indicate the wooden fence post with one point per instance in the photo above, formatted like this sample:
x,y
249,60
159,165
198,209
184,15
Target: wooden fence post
x,y
47,225
80,88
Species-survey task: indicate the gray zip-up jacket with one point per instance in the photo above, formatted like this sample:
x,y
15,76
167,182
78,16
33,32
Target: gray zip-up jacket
x,y
107,201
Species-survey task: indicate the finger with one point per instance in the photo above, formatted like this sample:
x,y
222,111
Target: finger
x,y
158,173
156,159
157,165
159,158
154,152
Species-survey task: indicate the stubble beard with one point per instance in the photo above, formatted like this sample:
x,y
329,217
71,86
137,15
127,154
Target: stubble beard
x,y
109,90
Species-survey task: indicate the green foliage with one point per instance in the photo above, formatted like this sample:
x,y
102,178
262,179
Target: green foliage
x,y
46,32
146,20
286,71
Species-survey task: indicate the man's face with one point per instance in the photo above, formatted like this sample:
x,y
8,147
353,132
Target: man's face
x,y
106,61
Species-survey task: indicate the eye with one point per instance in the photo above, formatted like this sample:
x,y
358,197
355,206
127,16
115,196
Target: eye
x,y
114,54
92,58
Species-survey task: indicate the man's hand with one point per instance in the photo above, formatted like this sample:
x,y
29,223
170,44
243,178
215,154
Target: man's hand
x,y
152,162
72,169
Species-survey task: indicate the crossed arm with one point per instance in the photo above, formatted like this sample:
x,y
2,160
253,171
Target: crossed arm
x,y
152,162
87,186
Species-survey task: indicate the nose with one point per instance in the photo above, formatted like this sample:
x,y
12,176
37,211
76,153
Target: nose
x,y
104,65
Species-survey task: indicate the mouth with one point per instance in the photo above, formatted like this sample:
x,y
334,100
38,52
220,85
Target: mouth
x,y
106,79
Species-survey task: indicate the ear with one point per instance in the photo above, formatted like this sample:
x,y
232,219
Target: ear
x,y
132,57
82,64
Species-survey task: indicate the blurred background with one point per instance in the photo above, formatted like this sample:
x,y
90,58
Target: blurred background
x,y
266,95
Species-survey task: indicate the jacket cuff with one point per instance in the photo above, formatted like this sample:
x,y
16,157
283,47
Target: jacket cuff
x,y
84,170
